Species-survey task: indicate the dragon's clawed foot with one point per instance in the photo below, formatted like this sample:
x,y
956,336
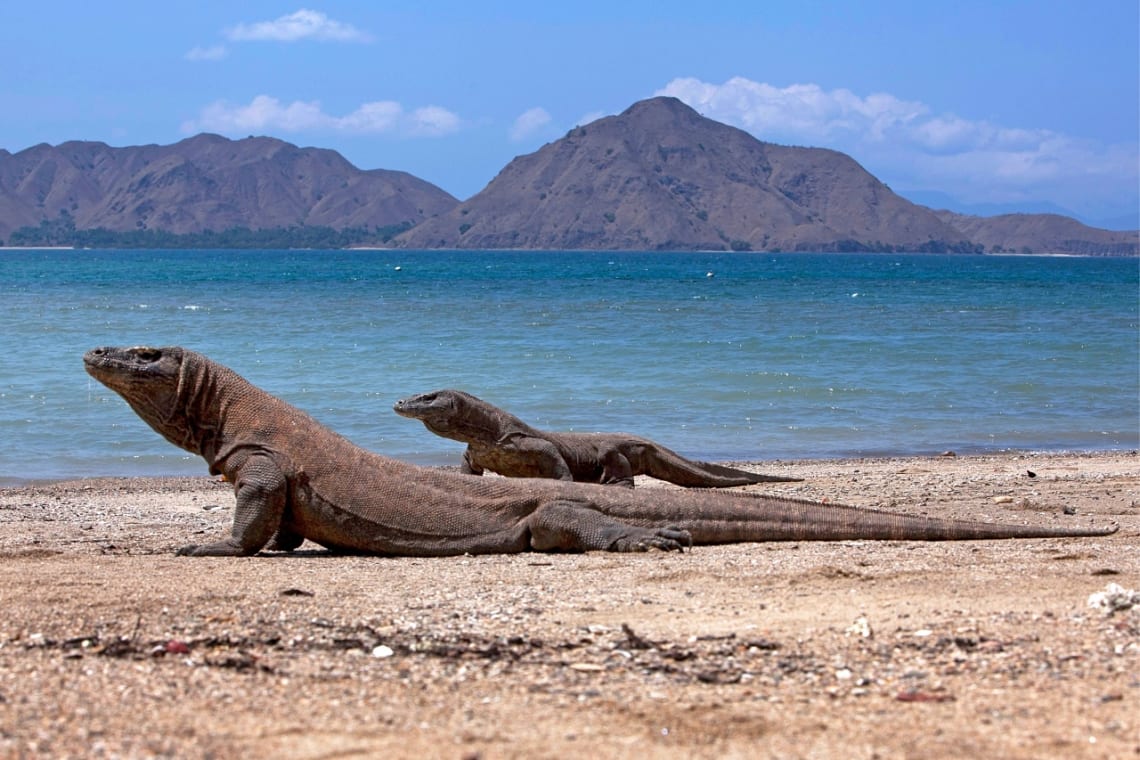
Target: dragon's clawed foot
x,y
219,549
666,539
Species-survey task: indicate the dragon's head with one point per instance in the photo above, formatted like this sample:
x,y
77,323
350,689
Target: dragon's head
x,y
151,380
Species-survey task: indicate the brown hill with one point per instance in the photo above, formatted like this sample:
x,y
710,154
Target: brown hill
x,y
660,176
657,177
206,182
1042,233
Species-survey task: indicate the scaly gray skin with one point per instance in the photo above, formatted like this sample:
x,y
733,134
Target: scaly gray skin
x,y
500,442
295,479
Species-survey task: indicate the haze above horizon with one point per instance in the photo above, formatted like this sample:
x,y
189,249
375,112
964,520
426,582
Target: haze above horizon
x,y
979,107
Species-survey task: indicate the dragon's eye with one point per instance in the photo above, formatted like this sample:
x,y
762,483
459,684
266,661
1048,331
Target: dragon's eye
x,y
148,354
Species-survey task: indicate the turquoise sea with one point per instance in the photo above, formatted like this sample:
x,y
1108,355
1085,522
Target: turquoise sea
x,y
719,356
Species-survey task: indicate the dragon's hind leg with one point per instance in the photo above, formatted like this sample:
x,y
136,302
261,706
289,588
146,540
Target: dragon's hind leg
x,y
576,526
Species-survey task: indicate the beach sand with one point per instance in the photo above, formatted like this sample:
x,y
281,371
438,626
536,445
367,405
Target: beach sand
x,y
110,646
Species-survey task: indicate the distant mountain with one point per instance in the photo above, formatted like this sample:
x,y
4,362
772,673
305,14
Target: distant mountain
x,y
938,200
660,176
1041,233
205,182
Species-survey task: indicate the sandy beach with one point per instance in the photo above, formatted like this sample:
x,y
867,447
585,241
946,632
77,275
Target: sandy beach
x,y
110,646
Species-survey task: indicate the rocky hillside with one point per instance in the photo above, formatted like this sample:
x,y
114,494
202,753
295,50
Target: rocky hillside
x,y
206,182
660,176
1041,233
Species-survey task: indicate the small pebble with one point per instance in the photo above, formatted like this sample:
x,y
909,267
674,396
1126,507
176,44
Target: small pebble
x,y
586,667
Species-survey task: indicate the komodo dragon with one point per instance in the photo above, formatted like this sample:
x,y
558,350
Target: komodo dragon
x,y
295,479
500,442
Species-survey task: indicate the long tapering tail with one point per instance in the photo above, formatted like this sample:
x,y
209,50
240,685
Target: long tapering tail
x,y
720,518
670,466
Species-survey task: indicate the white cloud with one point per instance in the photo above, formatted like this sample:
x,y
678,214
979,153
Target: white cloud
x,y
213,53
433,121
800,112
906,144
528,123
303,24
379,116
262,113
268,114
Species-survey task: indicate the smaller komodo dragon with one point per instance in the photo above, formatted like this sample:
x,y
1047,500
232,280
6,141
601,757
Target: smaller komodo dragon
x,y
500,442
294,479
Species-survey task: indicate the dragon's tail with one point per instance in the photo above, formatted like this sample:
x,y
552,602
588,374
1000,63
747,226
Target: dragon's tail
x,y
716,518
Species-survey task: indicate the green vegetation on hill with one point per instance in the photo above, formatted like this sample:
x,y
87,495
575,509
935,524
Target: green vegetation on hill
x,y
62,232
856,246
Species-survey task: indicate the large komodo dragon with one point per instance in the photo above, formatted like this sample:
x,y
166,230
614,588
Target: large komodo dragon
x,y
296,479
500,442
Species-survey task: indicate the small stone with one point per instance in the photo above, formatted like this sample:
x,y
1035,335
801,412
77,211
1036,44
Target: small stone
x,y
861,627
174,646
1003,500
381,651
923,696
586,667
1114,598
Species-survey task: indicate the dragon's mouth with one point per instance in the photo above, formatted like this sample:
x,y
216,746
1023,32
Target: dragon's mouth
x,y
121,368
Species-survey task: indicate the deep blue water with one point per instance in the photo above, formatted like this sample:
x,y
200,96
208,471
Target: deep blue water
x,y
722,356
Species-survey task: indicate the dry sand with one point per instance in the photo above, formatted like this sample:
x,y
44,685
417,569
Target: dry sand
x,y
112,647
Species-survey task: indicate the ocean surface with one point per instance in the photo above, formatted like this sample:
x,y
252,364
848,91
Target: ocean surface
x,y
718,356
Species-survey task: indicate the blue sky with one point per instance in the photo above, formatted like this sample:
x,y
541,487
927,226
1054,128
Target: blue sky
x,y
983,105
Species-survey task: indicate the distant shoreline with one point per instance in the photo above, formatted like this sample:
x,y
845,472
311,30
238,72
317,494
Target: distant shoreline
x,y
366,249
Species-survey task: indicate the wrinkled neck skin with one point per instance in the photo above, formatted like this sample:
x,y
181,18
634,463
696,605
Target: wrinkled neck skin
x,y
189,417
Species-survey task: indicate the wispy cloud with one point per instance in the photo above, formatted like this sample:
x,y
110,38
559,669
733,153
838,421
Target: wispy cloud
x,y
212,53
528,123
907,144
300,25
802,112
266,114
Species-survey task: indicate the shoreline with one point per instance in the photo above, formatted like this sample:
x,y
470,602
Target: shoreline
x,y
7,481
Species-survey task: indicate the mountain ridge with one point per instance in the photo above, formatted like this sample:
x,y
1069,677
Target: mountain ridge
x,y
658,176
205,182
